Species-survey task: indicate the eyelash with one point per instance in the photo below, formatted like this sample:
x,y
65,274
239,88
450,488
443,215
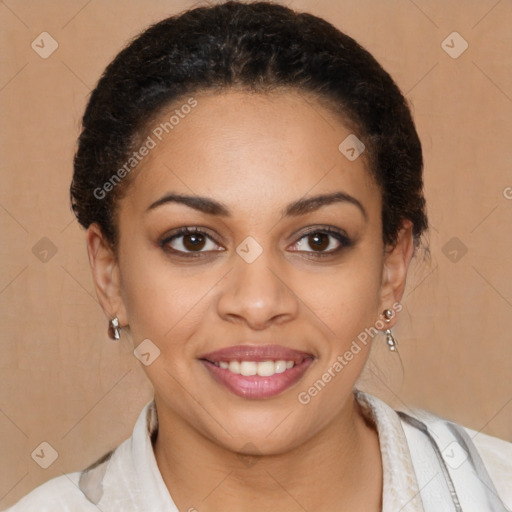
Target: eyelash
x,y
183,232
344,240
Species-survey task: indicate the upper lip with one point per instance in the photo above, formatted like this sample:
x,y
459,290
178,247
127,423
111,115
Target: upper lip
x,y
256,353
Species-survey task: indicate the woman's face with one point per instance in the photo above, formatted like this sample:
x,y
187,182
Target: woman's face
x,y
288,253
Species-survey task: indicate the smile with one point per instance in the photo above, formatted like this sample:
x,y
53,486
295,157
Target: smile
x,y
263,369
257,372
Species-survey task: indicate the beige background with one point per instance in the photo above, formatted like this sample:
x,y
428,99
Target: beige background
x,y
65,383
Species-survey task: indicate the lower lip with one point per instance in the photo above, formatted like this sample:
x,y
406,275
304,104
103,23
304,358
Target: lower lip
x,y
254,386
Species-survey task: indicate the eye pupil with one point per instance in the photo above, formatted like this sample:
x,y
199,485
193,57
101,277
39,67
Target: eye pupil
x,y
316,240
194,241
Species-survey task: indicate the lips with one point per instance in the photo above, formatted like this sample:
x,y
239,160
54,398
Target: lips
x,y
256,353
257,371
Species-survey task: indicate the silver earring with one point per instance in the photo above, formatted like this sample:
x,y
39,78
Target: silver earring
x,y
391,340
114,328
388,314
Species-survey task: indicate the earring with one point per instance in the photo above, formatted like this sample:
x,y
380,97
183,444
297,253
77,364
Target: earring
x,y
391,340
114,328
388,314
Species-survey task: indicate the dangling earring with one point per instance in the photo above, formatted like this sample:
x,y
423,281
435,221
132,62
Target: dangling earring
x,y
391,340
114,328
388,314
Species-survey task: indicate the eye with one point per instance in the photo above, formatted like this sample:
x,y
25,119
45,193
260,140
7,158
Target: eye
x,y
187,241
324,242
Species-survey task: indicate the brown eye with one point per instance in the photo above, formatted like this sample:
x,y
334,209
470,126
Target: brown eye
x,y
189,242
318,241
323,242
194,242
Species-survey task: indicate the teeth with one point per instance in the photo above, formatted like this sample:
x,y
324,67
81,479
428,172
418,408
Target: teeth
x,y
234,366
261,368
248,368
281,366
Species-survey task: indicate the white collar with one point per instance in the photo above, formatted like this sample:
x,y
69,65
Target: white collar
x,y
149,478
400,487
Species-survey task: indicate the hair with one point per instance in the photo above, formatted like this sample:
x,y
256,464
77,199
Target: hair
x,y
255,47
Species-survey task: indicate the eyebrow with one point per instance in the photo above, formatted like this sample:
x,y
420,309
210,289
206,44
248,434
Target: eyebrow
x,y
299,207
310,204
202,204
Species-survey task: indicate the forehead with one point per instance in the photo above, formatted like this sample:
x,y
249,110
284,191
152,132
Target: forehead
x,y
243,148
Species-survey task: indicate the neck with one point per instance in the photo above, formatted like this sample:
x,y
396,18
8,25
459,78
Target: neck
x,y
339,468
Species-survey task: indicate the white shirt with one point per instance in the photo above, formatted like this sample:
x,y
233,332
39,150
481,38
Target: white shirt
x,y
130,481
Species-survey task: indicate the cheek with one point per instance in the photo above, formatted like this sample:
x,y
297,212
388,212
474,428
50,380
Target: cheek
x,y
163,303
347,300
154,301
348,307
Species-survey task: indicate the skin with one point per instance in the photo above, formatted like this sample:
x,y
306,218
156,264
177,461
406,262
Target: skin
x,y
255,154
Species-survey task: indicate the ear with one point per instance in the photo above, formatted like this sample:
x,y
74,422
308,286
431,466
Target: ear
x,y
106,275
394,272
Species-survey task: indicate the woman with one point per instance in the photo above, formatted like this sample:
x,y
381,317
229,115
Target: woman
x,y
251,184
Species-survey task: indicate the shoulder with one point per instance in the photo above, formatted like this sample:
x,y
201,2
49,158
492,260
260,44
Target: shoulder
x,y
61,494
478,449
116,481
496,455
489,468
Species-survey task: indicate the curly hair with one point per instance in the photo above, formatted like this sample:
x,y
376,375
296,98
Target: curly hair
x,y
257,47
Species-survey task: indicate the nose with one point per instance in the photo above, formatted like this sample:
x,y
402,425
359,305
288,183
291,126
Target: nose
x,y
257,293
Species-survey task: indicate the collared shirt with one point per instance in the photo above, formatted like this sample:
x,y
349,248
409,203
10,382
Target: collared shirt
x,y
128,479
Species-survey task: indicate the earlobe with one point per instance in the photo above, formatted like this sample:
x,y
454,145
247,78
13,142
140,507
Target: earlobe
x,y
395,266
105,273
